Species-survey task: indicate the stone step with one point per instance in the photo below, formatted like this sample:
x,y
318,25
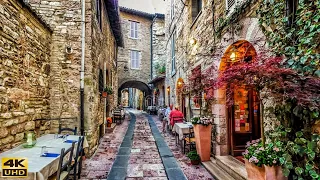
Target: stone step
x,y
217,172
232,166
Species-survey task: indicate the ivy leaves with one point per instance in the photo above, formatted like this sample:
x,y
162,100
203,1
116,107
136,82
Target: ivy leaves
x,y
298,42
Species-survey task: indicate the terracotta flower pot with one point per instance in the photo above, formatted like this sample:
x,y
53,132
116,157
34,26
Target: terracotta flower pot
x,y
274,172
195,162
104,94
254,172
203,141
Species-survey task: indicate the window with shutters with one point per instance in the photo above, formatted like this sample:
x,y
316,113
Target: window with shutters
x,y
196,8
173,54
135,59
231,4
134,29
172,9
98,13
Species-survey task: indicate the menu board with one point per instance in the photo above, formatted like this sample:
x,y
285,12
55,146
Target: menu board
x,y
241,110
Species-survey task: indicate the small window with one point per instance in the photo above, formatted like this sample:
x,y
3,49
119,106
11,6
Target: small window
x,y
135,59
100,80
172,9
134,29
231,4
173,54
98,13
196,8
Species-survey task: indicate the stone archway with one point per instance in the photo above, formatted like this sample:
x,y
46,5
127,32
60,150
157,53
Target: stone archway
x,y
241,51
143,87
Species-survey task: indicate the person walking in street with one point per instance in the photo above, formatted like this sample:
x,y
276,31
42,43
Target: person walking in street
x,y
166,118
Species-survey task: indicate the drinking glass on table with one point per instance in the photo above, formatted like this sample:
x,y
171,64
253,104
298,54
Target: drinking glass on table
x,y
44,150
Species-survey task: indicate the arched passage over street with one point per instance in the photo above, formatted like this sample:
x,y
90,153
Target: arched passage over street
x,y
145,92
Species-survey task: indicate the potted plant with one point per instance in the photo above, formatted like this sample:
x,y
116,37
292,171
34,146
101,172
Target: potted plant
x,y
194,157
107,91
264,162
254,158
202,132
109,121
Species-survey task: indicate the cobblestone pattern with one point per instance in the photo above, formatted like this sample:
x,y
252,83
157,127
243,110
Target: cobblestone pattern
x,y
141,44
191,171
99,165
144,161
24,69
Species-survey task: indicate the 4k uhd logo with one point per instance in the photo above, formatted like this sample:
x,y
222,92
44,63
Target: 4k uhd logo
x,y
14,167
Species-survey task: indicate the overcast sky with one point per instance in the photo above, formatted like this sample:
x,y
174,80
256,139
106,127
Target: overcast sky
x,y
149,6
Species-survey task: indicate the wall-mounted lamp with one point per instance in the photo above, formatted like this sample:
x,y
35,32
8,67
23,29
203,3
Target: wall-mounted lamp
x,y
125,68
192,41
168,89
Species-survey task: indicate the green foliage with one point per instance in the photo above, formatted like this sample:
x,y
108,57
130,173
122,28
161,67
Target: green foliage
x,y
301,156
299,42
108,89
193,156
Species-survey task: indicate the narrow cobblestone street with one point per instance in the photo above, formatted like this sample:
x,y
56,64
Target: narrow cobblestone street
x,y
144,154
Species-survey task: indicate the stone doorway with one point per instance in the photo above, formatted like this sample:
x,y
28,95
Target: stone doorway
x,y
240,122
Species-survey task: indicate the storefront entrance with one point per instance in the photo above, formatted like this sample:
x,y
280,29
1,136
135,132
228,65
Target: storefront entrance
x,y
244,121
243,117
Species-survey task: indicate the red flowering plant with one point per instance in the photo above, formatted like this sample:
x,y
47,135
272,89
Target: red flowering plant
x,y
296,100
200,85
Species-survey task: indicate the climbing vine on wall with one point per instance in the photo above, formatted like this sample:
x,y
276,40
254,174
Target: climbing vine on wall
x,y
298,40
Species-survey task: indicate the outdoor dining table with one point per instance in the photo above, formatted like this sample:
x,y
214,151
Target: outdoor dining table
x,y
40,168
181,129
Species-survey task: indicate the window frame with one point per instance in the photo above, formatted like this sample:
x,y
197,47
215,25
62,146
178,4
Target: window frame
x,y
230,10
135,29
198,7
99,13
136,59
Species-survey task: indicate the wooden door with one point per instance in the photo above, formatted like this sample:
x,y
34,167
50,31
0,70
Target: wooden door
x,y
244,122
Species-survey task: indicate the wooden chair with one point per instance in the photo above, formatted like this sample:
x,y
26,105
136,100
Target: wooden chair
x,y
77,163
64,168
74,131
189,140
117,116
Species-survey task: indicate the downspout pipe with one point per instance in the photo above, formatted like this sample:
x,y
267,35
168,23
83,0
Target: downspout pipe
x,y
151,45
83,37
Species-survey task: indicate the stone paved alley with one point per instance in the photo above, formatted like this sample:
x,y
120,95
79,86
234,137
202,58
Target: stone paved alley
x,y
137,150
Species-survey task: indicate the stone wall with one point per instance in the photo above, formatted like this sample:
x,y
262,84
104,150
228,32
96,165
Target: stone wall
x,y
103,56
64,17
25,43
141,44
158,43
209,48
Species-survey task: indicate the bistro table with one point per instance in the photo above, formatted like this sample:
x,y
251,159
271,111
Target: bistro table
x,y
40,168
181,129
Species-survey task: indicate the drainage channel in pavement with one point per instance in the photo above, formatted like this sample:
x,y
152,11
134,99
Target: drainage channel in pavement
x,y
171,166
120,165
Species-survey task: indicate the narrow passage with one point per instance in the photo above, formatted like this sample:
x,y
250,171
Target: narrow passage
x,y
144,154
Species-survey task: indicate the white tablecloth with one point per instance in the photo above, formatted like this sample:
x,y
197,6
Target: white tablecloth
x,y
181,129
40,168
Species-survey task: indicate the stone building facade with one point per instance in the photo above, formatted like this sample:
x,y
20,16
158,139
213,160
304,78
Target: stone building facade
x,y
61,50
25,42
201,34
143,47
